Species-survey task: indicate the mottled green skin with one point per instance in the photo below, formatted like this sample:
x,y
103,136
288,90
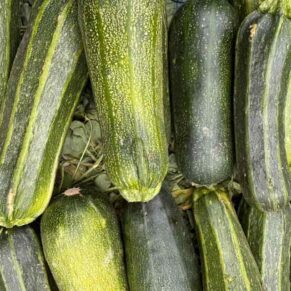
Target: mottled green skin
x,y
9,40
82,244
245,7
263,62
268,234
201,46
46,80
22,266
227,261
126,50
159,250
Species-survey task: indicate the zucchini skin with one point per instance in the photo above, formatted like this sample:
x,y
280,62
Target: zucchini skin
x,y
82,244
21,260
159,251
268,234
263,61
201,46
245,7
125,45
227,261
42,90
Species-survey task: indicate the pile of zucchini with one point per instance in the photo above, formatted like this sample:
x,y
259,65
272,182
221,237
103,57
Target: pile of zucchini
x,y
210,85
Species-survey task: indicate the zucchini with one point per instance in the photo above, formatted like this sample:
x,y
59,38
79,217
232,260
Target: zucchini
x,y
201,46
82,244
21,260
9,40
246,7
46,80
268,234
159,250
227,261
126,52
262,81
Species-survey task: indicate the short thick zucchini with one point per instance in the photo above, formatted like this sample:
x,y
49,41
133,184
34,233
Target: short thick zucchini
x,y
268,234
126,53
262,87
46,80
201,46
159,250
82,243
21,260
227,261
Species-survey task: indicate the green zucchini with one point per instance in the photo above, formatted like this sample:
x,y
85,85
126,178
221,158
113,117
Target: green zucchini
x,y
126,53
227,261
9,40
159,250
21,260
268,234
201,46
46,80
246,7
262,82
82,243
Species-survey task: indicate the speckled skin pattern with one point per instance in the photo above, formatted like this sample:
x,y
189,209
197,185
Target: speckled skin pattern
x,y
262,86
268,234
227,261
46,80
201,45
22,262
125,48
82,244
159,250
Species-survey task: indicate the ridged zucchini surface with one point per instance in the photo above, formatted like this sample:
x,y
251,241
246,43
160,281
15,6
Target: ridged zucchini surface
x,y
227,261
159,250
125,44
201,46
268,234
262,90
82,243
45,83
21,261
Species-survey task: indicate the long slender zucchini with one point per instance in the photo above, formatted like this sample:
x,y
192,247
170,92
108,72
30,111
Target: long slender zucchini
x,y
201,45
82,243
46,80
159,250
262,82
21,261
268,234
227,261
126,50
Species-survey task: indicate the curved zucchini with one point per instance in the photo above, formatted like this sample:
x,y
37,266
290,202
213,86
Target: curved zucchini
x,y
82,244
263,61
126,53
227,261
268,234
46,80
21,261
159,250
201,49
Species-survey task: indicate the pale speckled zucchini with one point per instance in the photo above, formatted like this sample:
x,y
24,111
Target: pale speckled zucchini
x,y
125,44
46,80
227,261
268,234
22,266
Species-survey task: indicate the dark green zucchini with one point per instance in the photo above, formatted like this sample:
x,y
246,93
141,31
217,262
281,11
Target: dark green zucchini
x,y
21,261
245,7
268,234
46,80
125,44
201,48
82,243
262,82
227,261
159,250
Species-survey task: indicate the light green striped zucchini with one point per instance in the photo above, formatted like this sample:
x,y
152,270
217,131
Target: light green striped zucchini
x,y
46,80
